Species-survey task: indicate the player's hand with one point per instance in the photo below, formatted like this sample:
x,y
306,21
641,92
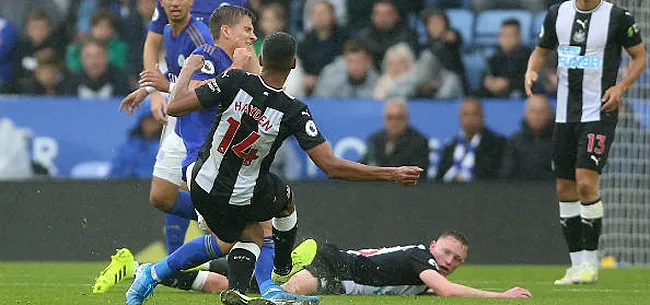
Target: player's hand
x,y
158,107
517,293
194,63
154,78
407,175
529,79
132,101
241,57
612,98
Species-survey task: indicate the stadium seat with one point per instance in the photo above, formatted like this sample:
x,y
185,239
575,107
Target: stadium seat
x,y
463,21
488,26
91,170
475,64
538,21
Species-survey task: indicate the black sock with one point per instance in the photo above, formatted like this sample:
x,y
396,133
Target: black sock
x,y
284,241
219,265
181,280
241,264
572,229
592,223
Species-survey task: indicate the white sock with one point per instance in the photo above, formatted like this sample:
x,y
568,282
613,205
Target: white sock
x,y
205,266
591,257
576,258
200,280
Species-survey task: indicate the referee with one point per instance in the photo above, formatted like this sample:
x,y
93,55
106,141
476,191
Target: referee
x,y
589,36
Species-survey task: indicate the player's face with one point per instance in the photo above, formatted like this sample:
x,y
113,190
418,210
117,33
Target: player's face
x,y
177,10
449,254
396,119
509,38
384,16
242,33
471,118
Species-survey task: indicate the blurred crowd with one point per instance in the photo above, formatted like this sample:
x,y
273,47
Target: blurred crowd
x,y
93,48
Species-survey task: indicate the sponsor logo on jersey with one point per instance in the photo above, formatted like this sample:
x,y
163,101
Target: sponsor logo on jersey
x,y
214,87
570,58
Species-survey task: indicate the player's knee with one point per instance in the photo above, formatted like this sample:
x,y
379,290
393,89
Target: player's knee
x,y
566,189
161,201
587,190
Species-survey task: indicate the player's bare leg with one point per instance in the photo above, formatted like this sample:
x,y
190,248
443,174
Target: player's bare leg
x,y
567,193
162,194
591,214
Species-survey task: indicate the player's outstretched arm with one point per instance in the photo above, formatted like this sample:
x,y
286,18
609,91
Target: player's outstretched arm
x,y
445,288
535,64
613,95
338,168
183,98
132,101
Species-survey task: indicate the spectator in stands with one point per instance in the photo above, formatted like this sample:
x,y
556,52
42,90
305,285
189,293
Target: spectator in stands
x,y
505,70
362,10
476,153
98,78
444,43
529,152
338,10
48,78
434,81
386,30
8,43
398,79
133,26
398,143
136,157
351,75
322,44
103,29
272,19
38,36
529,5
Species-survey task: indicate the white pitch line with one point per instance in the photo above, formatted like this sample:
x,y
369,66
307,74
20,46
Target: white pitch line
x,y
598,290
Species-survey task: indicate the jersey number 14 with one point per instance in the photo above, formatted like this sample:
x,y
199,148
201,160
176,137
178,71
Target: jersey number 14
x,y
242,149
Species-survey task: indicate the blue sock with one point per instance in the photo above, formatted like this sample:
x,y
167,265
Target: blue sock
x,y
264,266
195,252
175,229
183,206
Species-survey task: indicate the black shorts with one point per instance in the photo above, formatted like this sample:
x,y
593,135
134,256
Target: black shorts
x,y
581,145
228,221
329,267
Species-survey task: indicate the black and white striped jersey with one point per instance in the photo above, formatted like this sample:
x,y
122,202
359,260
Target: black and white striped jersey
x,y
589,45
393,270
252,122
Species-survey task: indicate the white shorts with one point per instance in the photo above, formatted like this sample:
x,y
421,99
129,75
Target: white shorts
x,y
169,160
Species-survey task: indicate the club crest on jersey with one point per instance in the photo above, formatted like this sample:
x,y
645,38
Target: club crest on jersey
x,y
208,67
579,36
310,128
181,60
156,15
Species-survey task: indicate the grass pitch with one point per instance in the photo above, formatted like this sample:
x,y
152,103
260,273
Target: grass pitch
x,y
70,284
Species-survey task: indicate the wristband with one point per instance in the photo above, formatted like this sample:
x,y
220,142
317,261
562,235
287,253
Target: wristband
x,y
149,89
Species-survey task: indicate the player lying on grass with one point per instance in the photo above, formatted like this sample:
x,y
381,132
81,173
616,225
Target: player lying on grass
x,y
325,269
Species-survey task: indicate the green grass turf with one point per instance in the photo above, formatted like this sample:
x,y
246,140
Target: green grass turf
x,y
70,284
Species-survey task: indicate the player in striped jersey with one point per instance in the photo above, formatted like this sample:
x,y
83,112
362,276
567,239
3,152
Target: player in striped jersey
x,y
231,184
589,36
402,270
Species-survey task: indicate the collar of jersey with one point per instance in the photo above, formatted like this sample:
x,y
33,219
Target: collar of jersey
x,y
575,6
267,86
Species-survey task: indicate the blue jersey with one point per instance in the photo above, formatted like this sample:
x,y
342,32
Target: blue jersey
x,y
178,48
195,127
201,10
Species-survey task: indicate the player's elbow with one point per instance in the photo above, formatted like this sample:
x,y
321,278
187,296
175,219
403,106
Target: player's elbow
x,y
446,292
